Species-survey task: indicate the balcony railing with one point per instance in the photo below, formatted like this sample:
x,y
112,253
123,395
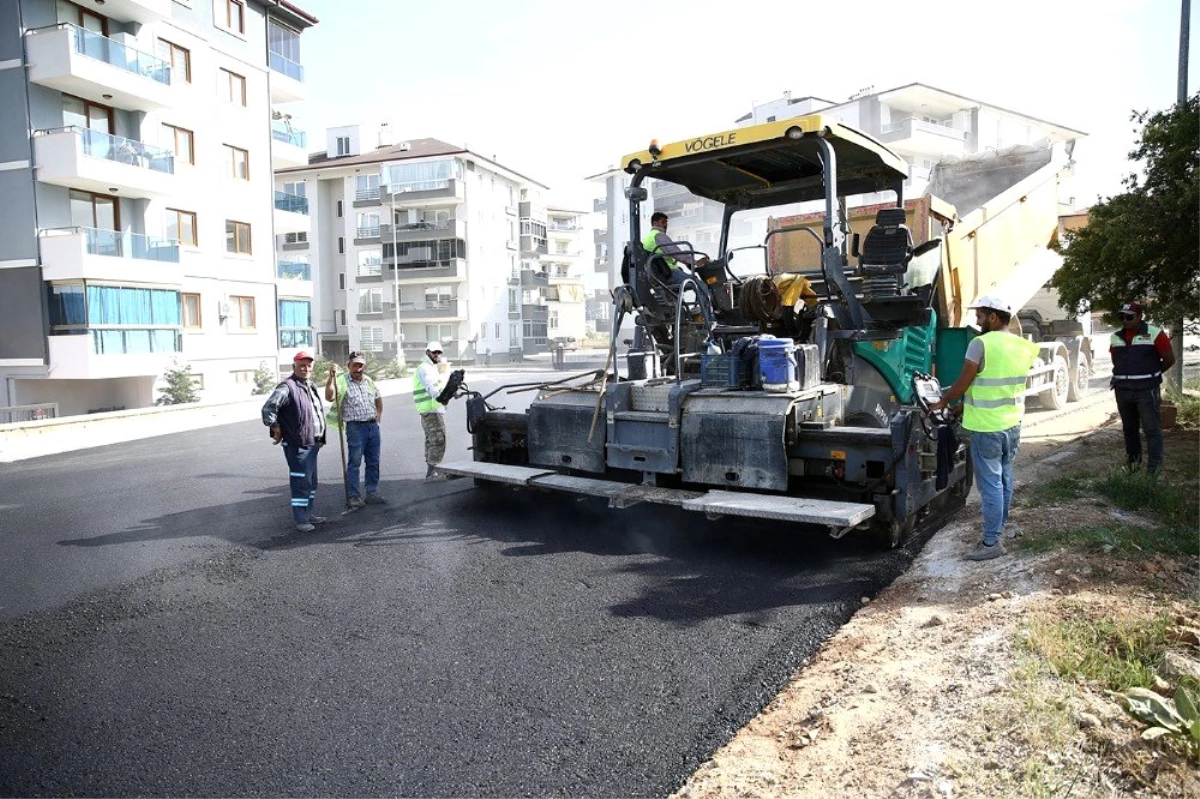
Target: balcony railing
x,y
93,45
367,232
115,244
285,66
565,227
366,194
296,138
97,144
293,270
294,203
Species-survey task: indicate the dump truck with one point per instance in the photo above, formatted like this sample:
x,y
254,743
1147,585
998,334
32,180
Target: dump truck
x,y
995,218
797,395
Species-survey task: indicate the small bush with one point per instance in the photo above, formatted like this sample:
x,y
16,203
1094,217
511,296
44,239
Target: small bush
x,y
179,387
265,379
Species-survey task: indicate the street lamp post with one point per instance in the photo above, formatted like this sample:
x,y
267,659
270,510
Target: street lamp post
x,y
399,338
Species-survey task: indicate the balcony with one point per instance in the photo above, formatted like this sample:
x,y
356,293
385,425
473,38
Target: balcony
x,y
291,213
414,270
106,71
139,11
366,233
368,195
423,231
925,138
288,147
287,79
440,310
80,253
77,158
429,192
293,270
531,278
533,245
101,353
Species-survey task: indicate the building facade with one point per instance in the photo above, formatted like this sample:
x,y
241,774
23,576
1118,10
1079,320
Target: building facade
x,y
137,159
415,241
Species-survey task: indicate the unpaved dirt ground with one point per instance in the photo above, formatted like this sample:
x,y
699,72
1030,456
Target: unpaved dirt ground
x,y
927,692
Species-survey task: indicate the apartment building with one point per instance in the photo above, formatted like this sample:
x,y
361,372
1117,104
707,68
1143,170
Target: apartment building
x,y
920,123
566,294
137,167
417,240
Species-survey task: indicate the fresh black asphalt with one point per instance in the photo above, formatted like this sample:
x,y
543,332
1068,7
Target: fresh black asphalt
x,y
163,633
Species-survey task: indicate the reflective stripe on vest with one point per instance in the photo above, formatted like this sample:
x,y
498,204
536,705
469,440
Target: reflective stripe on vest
x,y
650,245
1136,364
425,403
994,401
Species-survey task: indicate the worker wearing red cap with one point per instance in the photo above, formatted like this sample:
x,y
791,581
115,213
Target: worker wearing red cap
x,y
1140,354
296,416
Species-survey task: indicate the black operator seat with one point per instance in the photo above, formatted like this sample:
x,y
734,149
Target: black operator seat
x,y
888,243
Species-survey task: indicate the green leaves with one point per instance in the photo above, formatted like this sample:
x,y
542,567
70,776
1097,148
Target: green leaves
x,y
1179,720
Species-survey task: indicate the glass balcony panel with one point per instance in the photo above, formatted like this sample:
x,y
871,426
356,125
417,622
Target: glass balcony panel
x,y
291,202
98,144
93,45
115,244
286,135
285,66
294,270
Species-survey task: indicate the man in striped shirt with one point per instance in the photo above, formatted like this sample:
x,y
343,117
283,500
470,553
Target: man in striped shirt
x,y
354,398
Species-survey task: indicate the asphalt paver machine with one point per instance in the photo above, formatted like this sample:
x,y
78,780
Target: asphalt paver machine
x,y
792,395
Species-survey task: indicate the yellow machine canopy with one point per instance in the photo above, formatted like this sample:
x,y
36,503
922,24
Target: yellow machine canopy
x,y
773,163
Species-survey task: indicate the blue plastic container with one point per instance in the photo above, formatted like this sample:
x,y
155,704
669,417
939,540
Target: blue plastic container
x,y
777,364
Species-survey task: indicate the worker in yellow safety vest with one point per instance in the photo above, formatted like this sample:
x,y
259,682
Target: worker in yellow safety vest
x,y
428,382
657,242
993,380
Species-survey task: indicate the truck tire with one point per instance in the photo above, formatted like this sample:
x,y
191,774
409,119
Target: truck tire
x,y
1081,377
1055,397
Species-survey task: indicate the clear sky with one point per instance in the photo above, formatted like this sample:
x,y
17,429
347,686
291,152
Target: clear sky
x,y
561,90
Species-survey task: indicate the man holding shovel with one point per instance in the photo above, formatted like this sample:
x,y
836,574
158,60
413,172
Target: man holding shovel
x,y
354,398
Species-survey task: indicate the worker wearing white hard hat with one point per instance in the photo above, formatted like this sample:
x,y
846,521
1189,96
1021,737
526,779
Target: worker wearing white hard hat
x,y
993,380
428,382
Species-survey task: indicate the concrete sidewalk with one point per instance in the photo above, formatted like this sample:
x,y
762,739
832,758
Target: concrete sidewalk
x,y
22,440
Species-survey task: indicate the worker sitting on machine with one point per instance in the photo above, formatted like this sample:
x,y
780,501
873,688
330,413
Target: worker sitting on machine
x,y
657,243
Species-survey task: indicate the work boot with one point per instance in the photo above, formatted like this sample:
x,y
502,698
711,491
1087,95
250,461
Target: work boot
x,y
375,499
317,519
356,502
305,528
984,552
432,475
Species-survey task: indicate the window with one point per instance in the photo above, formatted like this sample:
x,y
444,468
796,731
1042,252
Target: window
x,y
237,162
179,58
180,141
343,315
554,320
371,301
197,382
297,188
181,226
341,245
231,15
438,296
243,377
424,176
295,238
295,323
191,310
94,211
497,330
89,21
81,113
442,333
371,339
237,237
370,262
339,209
343,145
231,87
366,187
341,281
368,226
120,319
483,331
243,308
513,338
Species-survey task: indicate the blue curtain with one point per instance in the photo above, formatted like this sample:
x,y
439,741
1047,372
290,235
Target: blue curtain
x,y
295,313
121,305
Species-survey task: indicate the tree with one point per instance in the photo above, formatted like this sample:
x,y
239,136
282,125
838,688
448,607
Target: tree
x,y
179,387
265,379
1144,244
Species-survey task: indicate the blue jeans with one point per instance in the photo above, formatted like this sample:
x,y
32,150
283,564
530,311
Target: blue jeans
x,y
1142,407
302,476
362,440
992,456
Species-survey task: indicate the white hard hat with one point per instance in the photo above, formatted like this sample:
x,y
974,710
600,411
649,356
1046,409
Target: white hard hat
x,y
433,346
992,302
